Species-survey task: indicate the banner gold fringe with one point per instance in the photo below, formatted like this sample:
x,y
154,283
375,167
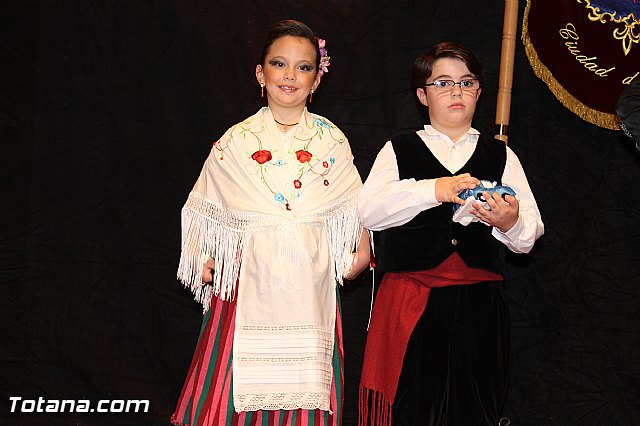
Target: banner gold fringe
x,y
593,116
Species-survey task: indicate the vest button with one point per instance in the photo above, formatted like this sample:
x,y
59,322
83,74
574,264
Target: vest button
x,y
454,242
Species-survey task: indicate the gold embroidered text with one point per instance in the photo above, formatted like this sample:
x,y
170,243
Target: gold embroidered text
x,y
569,33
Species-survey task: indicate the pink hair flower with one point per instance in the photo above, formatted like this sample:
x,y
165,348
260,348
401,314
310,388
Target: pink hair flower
x,y
324,57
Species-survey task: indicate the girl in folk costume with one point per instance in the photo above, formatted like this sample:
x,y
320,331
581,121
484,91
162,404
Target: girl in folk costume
x,y
268,231
437,351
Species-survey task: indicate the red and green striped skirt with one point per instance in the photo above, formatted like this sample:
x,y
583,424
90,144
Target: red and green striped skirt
x,y
207,394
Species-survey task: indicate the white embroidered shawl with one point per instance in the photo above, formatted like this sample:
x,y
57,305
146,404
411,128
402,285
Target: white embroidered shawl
x,y
277,213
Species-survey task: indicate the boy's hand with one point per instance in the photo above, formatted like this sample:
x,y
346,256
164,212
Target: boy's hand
x,y
448,188
503,214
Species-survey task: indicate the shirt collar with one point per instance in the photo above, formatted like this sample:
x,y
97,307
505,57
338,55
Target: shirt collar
x,y
471,135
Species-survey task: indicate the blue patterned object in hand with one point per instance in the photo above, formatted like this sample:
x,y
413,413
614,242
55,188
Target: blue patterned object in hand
x,y
485,185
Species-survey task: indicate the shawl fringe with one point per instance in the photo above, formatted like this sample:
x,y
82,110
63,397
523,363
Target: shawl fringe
x,y
211,230
343,227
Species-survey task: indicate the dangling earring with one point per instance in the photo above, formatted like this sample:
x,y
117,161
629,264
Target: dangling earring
x,y
311,96
262,90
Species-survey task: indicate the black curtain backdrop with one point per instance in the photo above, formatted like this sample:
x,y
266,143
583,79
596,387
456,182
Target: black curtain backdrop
x,y
107,112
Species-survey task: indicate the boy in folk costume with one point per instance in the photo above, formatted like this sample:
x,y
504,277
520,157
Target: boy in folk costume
x,y
438,346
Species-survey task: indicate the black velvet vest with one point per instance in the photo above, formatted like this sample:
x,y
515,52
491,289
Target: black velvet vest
x,y
429,238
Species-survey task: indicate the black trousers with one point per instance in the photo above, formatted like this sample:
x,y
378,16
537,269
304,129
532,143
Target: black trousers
x,y
456,366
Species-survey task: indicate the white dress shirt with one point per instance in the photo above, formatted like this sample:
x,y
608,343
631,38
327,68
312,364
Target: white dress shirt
x,y
386,201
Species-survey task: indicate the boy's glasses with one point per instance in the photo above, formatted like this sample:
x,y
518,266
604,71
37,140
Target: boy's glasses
x,y
467,85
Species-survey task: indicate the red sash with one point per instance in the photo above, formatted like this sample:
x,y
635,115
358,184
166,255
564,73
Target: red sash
x,y
399,303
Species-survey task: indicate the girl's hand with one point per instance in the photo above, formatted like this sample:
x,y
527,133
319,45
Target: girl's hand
x,y
207,271
361,258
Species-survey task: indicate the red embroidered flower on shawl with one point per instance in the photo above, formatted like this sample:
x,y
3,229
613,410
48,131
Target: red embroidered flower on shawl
x,y
261,156
303,156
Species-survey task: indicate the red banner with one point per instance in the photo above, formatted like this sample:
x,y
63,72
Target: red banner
x,y
586,51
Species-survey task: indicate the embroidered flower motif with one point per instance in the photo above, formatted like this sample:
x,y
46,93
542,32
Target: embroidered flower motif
x,y
318,133
321,123
261,156
303,156
221,145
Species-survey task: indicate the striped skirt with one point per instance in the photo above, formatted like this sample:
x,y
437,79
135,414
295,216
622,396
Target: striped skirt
x,y
207,394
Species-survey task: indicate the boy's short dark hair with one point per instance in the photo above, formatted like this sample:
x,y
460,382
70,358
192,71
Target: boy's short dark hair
x,y
423,65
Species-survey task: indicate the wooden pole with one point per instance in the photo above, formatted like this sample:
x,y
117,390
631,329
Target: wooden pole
x,y
505,81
